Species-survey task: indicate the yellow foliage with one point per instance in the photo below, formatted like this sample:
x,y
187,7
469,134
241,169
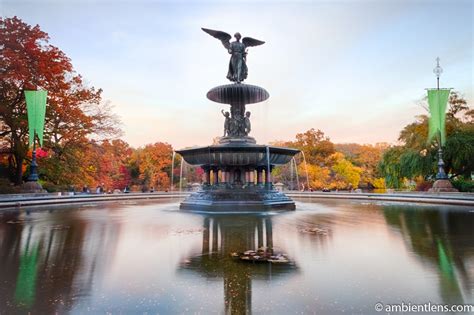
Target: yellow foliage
x,y
379,183
346,175
318,176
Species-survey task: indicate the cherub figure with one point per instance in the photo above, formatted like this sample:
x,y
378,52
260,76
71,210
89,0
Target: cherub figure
x,y
226,123
247,125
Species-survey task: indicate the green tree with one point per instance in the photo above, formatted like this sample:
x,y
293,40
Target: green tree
x,y
417,157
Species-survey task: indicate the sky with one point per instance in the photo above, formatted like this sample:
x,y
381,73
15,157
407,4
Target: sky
x,y
354,69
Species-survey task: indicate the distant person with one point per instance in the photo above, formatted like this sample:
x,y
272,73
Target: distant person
x,y
97,190
85,189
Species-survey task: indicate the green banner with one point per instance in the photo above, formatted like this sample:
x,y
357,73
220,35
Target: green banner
x,y
36,109
438,100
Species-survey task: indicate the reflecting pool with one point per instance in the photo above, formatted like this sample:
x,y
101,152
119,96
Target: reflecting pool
x,y
149,257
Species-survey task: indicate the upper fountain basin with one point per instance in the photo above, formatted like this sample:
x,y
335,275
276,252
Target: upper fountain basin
x,y
237,155
238,94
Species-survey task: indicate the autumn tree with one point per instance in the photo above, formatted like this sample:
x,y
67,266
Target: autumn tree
x,y
367,157
151,165
315,146
325,168
344,174
107,164
319,177
74,110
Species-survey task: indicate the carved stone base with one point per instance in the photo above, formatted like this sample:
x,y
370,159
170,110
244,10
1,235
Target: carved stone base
x,y
442,185
247,199
238,141
32,187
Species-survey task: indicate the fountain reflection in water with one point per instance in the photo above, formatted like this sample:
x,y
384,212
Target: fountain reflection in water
x,y
233,233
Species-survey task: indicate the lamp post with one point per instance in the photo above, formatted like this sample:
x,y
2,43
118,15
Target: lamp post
x,y
441,173
33,177
438,101
36,110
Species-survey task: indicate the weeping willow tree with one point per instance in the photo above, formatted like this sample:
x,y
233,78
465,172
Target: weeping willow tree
x,y
417,156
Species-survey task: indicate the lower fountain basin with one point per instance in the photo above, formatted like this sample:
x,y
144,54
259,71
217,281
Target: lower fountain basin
x,y
237,177
251,155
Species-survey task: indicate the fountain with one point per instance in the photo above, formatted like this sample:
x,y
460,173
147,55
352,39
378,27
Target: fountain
x,y
237,171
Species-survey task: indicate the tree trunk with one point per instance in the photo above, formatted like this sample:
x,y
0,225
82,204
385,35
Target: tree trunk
x,y
18,169
11,168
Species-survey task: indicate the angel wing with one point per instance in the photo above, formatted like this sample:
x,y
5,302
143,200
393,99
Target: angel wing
x,y
249,42
222,36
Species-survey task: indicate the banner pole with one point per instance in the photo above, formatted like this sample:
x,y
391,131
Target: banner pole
x,y
33,177
441,172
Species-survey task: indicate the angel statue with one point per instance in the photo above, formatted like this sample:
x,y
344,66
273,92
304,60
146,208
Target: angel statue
x,y
237,65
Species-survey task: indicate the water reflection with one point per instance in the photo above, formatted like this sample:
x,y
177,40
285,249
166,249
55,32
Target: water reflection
x,y
441,239
148,257
222,235
46,265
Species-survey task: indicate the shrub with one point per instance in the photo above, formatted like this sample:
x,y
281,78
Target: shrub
x,y
50,187
463,185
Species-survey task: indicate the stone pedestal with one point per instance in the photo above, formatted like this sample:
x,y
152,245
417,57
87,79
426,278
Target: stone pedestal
x,y
243,199
442,185
237,141
32,187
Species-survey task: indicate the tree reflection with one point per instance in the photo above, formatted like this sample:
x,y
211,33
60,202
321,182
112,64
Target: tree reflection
x,y
439,237
45,265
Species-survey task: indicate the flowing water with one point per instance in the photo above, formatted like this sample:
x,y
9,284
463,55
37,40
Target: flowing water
x,y
306,171
148,257
296,172
268,164
181,175
172,171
